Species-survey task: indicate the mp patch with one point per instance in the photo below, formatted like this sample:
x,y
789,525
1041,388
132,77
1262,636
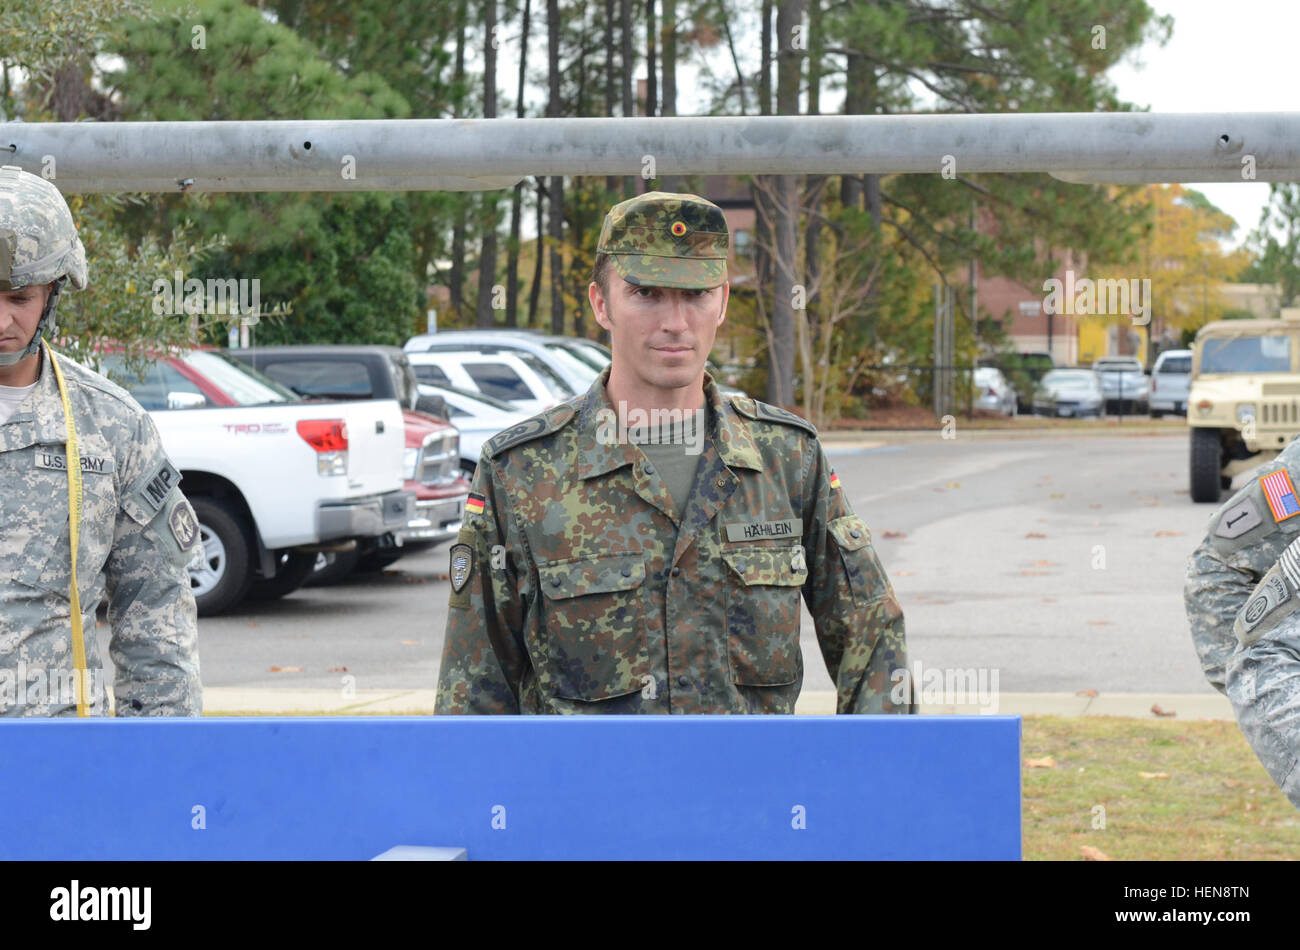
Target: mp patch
x,y
159,485
184,525
462,566
1239,518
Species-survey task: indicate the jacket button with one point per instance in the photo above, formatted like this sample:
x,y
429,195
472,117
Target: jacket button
x,y
627,572
555,582
677,571
855,533
722,483
683,681
649,469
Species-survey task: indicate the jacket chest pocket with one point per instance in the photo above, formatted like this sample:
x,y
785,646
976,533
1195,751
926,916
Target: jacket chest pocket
x,y
594,626
763,590
37,521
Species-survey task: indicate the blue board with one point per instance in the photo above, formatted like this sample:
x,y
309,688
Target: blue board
x,y
618,787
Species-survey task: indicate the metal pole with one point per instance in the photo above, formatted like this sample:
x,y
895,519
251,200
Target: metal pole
x,y
430,154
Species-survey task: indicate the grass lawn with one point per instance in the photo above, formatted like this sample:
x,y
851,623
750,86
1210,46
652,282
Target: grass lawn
x,y
1214,801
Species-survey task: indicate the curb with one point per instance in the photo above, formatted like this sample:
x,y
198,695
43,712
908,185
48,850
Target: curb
x,y
242,701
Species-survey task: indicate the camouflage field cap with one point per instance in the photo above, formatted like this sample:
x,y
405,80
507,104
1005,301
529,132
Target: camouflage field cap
x,y
661,239
38,241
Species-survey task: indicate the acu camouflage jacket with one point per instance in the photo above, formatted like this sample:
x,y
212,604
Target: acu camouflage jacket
x,y
574,591
137,534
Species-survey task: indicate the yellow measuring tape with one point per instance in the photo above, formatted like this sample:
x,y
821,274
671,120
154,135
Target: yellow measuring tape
x,y
74,531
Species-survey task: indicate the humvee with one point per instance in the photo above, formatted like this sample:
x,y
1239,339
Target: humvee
x,y
1243,405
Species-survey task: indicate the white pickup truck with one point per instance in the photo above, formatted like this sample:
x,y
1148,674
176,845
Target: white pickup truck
x,y
273,480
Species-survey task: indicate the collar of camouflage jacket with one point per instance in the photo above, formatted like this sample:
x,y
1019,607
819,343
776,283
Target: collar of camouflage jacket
x,y
728,431
39,419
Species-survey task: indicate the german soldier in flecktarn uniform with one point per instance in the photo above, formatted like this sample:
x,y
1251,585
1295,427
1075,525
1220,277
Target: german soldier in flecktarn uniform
x,y
643,548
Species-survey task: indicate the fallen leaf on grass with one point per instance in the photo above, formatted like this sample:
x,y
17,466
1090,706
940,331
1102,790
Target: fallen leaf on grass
x,y
1154,774
337,669
1168,534
1035,534
1155,708
1043,762
1086,692
286,669
409,643
1094,854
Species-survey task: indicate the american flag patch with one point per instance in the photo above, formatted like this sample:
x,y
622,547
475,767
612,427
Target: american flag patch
x,y
835,479
1281,495
474,504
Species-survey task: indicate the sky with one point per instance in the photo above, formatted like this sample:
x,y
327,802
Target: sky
x,y
1223,56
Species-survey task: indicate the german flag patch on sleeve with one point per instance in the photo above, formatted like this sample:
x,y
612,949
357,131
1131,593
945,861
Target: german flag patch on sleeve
x,y
835,479
474,504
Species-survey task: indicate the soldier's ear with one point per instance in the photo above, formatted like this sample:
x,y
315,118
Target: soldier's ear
x,y
599,306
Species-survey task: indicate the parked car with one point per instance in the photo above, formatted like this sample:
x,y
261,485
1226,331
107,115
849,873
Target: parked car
x,y
555,352
1125,384
1170,382
520,379
993,391
273,480
477,417
1069,392
431,464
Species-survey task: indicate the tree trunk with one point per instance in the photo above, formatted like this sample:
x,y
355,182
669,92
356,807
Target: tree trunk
x,y
456,281
628,57
651,63
765,62
611,84
780,383
670,57
487,260
517,198
535,292
556,185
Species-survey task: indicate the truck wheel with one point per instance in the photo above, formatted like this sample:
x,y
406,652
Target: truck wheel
x,y
1206,465
294,568
221,574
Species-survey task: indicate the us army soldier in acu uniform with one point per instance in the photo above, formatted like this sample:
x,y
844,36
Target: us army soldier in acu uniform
x,y
658,568
136,530
1241,594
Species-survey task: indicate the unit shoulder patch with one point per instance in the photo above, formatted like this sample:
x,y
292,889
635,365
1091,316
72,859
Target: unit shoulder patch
x,y
755,409
535,427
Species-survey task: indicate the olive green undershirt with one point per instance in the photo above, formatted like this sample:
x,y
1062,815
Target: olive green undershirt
x,y
674,449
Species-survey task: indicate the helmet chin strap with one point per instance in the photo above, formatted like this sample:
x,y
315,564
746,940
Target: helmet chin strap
x,y
45,323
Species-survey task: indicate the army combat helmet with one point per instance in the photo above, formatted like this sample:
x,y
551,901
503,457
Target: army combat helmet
x,y
38,245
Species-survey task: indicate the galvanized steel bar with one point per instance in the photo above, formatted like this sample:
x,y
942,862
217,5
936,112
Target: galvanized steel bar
x,y
433,154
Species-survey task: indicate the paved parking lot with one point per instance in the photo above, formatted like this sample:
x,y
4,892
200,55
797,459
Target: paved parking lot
x,y
1055,560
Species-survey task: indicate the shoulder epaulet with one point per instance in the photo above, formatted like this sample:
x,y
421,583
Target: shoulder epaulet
x,y
539,425
755,409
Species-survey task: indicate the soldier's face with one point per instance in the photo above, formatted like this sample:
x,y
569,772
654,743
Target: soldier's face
x,y
20,311
660,334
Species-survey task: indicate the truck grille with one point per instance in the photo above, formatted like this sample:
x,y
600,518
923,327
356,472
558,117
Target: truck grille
x,y
439,459
1279,412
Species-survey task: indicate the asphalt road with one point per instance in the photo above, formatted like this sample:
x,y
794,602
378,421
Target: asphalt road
x,y
1057,562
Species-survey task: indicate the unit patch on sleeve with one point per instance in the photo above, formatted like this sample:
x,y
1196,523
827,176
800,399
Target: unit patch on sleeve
x,y
1238,519
462,565
474,504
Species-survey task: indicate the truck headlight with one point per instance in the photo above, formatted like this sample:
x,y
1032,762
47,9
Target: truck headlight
x,y
1245,413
